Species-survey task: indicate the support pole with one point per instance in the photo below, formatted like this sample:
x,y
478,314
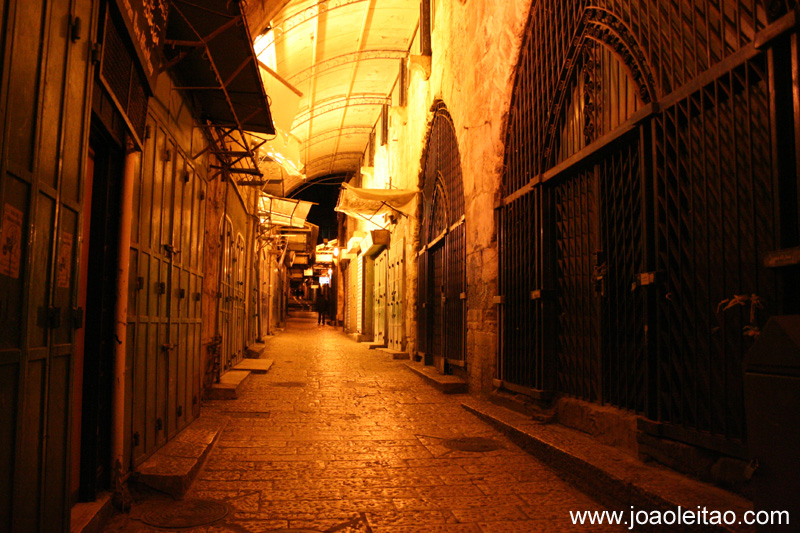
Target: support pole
x,y
132,157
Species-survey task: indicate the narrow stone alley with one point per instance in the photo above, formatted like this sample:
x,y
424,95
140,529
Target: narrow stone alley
x,y
336,437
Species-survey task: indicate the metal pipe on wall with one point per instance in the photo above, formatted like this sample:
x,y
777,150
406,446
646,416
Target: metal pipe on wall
x,y
132,157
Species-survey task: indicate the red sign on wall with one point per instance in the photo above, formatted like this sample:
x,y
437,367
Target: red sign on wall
x,y
11,241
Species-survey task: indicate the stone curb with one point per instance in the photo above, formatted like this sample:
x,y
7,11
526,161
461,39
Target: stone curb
x,y
445,383
609,475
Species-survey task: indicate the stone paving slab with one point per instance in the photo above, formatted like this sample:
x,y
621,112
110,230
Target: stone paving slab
x,y
334,439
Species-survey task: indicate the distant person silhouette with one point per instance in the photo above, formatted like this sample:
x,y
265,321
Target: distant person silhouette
x,y
322,307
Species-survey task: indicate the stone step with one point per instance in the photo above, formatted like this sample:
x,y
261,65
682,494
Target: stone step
x,y
609,475
375,345
91,517
445,383
394,353
255,350
173,467
230,383
255,366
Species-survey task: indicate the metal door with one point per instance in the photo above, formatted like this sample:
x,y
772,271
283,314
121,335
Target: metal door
x,y
165,284
395,274
597,223
358,293
44,76
352,296
239,340
436,302
380,296
226,296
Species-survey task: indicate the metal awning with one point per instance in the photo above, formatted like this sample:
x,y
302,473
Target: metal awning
x,y
284,212
370,203
208,46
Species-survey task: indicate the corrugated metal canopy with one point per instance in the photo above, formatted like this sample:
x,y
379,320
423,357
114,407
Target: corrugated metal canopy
x,y
209,47
343,57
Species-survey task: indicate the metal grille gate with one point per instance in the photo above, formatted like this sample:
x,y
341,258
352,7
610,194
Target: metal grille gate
x,y
441,262
624,222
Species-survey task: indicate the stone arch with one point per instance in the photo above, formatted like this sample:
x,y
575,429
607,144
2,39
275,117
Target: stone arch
x,y
601,26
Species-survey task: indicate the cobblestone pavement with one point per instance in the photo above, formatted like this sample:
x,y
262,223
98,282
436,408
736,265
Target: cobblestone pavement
x,y
336,437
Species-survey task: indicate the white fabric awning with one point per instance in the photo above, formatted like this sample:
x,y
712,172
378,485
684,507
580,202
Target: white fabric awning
x,y
369,203
284,212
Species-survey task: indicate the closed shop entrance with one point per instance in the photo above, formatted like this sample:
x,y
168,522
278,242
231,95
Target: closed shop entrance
x,y
441,327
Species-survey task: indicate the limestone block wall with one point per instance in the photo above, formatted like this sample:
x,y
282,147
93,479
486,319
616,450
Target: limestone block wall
x,y
475,46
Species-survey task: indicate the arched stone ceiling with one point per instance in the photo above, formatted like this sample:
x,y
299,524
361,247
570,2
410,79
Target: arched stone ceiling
x,y
344,58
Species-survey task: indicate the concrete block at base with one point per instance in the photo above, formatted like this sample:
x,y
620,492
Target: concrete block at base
x,y
173,468
446,383
374,345
255,350
91,517
255,366
394,353
229,385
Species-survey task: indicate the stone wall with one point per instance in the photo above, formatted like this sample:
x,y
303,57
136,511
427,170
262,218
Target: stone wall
x,y
475,46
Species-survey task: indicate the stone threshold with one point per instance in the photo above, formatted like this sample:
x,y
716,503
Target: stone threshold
x,y
445,383
396,354
172,468
91,517
607,474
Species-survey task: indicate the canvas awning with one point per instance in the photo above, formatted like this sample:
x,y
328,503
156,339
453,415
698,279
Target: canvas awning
x,y
285,212
369,203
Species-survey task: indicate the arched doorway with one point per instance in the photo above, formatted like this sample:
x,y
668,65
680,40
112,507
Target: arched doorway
x,y
441,261
638,199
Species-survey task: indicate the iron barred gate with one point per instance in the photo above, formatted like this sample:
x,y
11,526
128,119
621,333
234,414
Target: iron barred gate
x,y
641,194
441,324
